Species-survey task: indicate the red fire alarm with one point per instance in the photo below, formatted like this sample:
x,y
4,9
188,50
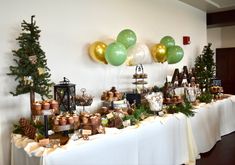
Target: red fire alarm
x,y
186,40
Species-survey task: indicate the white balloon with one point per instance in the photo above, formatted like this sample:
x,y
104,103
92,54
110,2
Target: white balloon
x,y
138,54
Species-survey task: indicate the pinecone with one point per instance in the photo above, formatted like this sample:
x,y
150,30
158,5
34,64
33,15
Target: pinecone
x,y
23,122
29,131
118,122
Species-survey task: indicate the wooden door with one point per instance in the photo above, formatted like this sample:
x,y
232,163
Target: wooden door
x,y
225,68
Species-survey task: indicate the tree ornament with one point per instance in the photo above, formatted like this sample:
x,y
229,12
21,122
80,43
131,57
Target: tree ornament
x,y
27,80
33,59
41,71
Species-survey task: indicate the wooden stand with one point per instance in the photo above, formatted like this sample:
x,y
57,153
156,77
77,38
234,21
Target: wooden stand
x,y
139,77
32,100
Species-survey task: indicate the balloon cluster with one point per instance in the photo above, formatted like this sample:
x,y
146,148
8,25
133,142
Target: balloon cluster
x,y
114,53
125,49
166,50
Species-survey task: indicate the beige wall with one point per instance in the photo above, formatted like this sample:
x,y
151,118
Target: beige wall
x,y
68,27
228,36
214,37
222,37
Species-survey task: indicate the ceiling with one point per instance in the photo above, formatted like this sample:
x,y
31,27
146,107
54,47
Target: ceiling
x,y
211,6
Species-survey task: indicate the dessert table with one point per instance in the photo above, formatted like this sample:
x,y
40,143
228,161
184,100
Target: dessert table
x,y
172,139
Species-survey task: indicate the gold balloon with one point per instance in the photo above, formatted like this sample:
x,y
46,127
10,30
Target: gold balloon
x,y
97,52
158,52
129,60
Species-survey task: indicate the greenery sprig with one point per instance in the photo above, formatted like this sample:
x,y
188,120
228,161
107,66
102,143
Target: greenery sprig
x,y
141,112
185,108
205,97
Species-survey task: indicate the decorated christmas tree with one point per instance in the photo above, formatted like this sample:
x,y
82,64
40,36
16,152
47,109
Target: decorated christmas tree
x,y
205,68
31,71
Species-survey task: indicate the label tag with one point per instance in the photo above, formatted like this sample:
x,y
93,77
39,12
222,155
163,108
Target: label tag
x,y
43,142
110,115
126,123
86,132
47,112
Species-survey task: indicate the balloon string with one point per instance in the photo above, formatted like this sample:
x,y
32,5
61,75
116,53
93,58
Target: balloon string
x,y
105,77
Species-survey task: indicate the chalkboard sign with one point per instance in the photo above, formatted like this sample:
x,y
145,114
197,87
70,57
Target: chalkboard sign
x,y
216,82
133,98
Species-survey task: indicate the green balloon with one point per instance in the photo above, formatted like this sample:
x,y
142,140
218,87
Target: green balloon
x,y
168,41
127,37
116,54
174,54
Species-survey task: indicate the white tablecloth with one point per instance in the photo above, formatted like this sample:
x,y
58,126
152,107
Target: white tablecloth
x,y
166,142
212,121
170,140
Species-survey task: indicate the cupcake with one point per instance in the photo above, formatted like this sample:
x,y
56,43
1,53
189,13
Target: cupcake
x,y
37,106
75,118
63,121
45,105
54,105
70,120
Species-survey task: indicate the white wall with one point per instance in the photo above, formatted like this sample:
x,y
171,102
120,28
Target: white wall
x,y
68,27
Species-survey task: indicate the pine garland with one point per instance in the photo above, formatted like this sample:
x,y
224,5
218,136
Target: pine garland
x,y
140,113
205,97
185,108
31,69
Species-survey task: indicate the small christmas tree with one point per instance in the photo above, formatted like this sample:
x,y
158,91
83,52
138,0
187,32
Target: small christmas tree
x,y
205,68
31,69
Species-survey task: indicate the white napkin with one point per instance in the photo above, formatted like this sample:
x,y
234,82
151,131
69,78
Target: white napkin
x,y
34,149
20,141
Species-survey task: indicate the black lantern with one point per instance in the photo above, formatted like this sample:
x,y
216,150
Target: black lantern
x,y
65,94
